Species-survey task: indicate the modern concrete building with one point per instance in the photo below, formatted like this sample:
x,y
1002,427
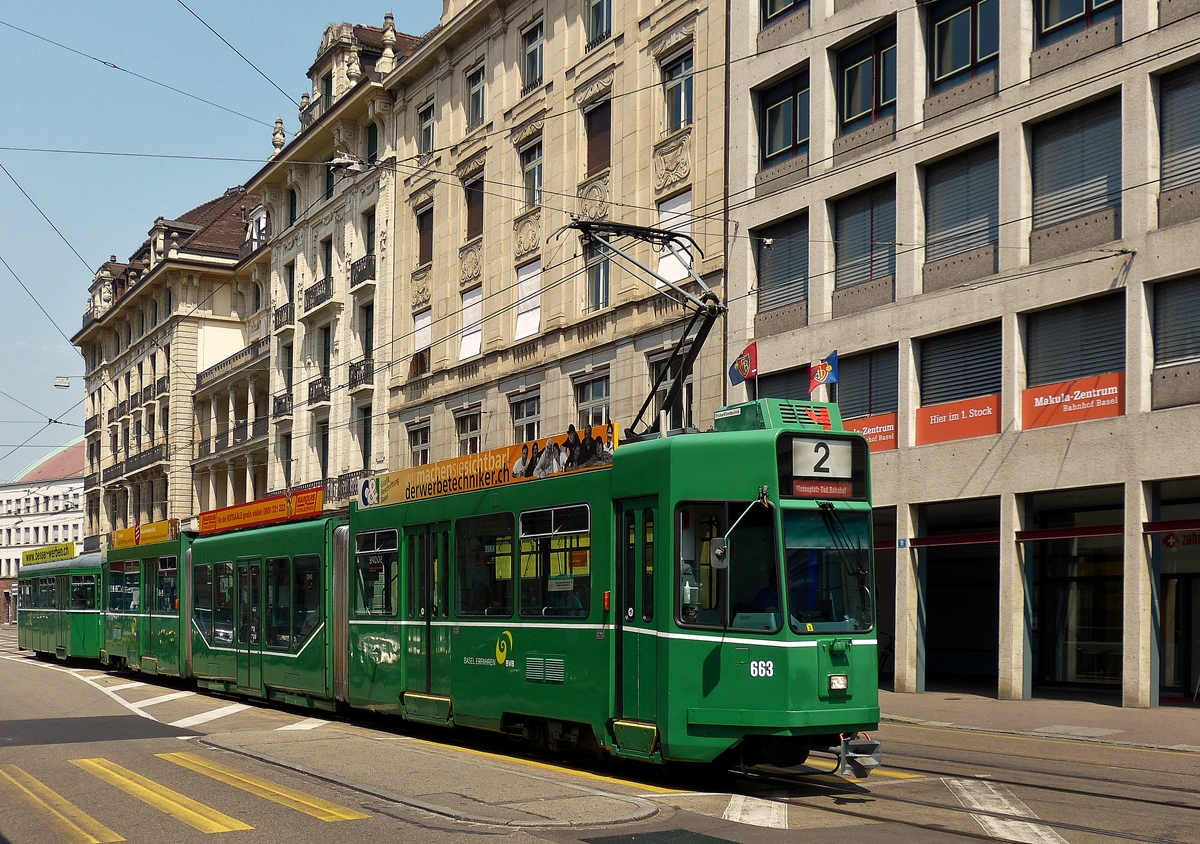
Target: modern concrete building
x,y
180,305
41,506
989,209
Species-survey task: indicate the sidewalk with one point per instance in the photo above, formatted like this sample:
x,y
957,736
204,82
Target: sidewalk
x,y
1167,727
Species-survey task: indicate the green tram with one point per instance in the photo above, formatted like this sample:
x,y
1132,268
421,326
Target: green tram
x,y
58,611
689,598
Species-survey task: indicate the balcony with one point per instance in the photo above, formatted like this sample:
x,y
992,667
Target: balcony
x,y
240,430
145,458
147,394
113,472
532,86
318,391
203,448
318,294
257,240
220,442
163,385
91,481
344,486
362,375
260,427
92,424
285,316
362,270
112,416
123,409
281,405
233,363
600,38
135,400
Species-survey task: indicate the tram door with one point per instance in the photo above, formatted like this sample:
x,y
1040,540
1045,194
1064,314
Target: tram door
x,y
249,624
63,595
637,644
427,651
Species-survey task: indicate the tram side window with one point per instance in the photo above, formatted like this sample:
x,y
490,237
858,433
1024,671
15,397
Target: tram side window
x,y
202,592
166,584
745,596
483,581
556,562
124,586
47,599
83,592
376,574
306,586
279,603
223,600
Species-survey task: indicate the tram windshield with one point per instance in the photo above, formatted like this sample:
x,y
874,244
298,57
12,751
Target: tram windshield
x,y
828,558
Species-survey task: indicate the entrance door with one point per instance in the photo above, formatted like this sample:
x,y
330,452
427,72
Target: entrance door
x,y
637,644
249,624
427,651
1181,634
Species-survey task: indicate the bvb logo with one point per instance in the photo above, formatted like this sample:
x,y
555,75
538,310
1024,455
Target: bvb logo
x,y
503,646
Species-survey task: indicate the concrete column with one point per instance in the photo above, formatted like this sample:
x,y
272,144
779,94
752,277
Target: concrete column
x,y
910,233
1016,611
1012,372
250,496
1016,192
1140,149
212,488
229,490
908,397
910,605
250,417
1139,674
232,410
1016,45
212,418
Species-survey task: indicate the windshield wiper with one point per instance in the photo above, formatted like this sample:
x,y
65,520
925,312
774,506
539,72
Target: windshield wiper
x,y
842,541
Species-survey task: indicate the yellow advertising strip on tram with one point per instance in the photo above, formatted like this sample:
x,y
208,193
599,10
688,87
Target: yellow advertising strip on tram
x,y
144,534
48,554
316,807
73,822
184,809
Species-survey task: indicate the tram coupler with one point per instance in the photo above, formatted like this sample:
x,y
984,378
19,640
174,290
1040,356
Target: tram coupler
x,y
856,757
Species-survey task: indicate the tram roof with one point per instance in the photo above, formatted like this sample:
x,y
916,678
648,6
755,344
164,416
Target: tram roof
x,y
83,561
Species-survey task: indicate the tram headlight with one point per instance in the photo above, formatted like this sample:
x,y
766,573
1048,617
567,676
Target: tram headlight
x,y
838,682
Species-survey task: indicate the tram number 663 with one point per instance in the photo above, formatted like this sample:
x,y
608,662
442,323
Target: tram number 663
x,y
762,668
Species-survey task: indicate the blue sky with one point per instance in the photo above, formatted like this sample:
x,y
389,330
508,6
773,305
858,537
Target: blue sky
x,y
105,205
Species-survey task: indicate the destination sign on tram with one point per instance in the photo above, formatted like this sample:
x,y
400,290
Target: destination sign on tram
x,y
822,467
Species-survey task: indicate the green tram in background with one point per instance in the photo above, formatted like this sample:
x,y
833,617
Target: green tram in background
x,y
59,612
696,597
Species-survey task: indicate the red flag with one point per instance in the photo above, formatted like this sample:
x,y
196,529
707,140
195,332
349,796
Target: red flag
x,y
746,366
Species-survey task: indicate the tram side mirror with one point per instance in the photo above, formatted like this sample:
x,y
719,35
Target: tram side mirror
x,y
719,554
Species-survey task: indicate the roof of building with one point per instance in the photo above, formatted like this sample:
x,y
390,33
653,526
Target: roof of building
x,y
61,463
222,222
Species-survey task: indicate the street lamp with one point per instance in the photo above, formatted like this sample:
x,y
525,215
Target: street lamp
x,y
62,383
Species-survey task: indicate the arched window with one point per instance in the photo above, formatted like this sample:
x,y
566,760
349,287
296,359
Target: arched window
x,y
257,297
154,312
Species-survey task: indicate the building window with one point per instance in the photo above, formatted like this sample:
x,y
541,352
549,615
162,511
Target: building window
x,y
372,143
425,235
369,232
962,203
327,258
474,201
1058,18
425,122
364,435
471,342
782,252
330,180
675,214
475,98
1075,341
287,363
591,400
532,45
325,334
527,419
599,21
680,411
1077,163
677,89
596,260
326,91
293,206
783,119
961,365
418,446
529,300
1176,330
598,127
467,426
865,236
285,457
531,168
323,447
868,384
1179,132
773,10
367,322
422,340
868,80
966,39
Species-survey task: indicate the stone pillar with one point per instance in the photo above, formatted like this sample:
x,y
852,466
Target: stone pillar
x,y
250,407
229,490
250,496
232,412
910,605
1016,613
212,419
212,488
1139,673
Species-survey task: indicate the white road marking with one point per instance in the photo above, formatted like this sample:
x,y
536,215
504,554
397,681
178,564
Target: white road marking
x,y
142,704
205,717
756,812
991,797
122,686
306,724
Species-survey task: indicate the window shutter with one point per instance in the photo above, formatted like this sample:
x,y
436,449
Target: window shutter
x,y
422,330
1176,330
792,384
529,300
472,324
961,365
864,235
1077,163
962,206
599,140
867,383
1086,338
783,265
1180,95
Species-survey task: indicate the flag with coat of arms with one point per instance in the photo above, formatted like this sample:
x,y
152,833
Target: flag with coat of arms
x,y
824,371
746,365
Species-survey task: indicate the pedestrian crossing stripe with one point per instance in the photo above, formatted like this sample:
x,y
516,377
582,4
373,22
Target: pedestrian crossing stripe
x,y
184,809
71,820
284,796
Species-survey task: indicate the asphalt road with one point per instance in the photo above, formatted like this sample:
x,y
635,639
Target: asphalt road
x,y
90,756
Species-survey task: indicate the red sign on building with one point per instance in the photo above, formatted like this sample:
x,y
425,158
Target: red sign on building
x,y
1094,397
880,430
958,420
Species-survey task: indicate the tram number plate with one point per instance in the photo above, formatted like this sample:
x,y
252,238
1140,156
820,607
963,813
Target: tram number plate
x,y
762,668
813,458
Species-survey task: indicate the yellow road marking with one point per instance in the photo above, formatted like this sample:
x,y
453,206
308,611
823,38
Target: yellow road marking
x,y
196,815
546,766
1047,740
77,825
898,775
298,800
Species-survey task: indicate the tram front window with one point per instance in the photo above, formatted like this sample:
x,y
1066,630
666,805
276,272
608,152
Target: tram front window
x,y
828,557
